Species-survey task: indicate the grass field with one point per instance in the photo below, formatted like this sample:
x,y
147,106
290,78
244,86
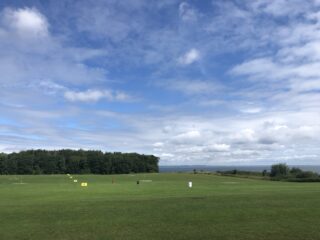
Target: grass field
x,y
53,207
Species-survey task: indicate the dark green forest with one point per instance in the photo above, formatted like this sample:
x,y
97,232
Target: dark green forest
x,y
76,162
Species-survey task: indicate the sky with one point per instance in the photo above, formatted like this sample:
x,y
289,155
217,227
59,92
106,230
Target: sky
x,y
221,82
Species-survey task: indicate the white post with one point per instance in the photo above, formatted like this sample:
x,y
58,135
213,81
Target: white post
x,y
190,184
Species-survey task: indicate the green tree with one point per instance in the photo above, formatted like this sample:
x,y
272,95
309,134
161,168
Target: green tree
x,y
264,172
295,171
279,170
3,169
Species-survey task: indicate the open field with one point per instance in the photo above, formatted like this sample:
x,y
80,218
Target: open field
x,y
53,207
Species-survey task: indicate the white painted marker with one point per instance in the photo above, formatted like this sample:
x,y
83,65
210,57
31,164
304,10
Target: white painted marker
x,y
190,184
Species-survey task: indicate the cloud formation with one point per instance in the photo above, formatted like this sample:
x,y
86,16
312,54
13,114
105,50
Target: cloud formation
x,y
187,12
189,57
218,82
28,22
91,95
191,87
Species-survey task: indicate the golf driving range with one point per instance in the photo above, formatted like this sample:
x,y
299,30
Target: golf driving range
x,y
161,206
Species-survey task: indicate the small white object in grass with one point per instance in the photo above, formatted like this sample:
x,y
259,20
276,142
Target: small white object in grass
x,y
75,180
70,177
84,184
190,184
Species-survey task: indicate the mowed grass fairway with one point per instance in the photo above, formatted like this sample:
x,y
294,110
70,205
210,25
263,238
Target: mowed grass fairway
x,y
53,207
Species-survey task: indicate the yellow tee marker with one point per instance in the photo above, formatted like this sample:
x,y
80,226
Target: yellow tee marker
x,y
84,184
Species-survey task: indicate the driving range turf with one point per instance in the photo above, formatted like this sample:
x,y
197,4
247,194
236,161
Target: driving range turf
x,y
216,207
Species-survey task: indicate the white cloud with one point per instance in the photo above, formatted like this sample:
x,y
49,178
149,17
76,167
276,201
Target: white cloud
x,y
301,85
121,96
190,136
258,69
305,52
280,7
193,55
28,22
104,20
191,87
50,87
30,54
87,96
188,139
244,136
268,69
218,147
251,110
91,95
158,144
294,64
168,156
187,12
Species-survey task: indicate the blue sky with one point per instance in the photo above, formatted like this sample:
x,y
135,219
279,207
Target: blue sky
x,y
193,82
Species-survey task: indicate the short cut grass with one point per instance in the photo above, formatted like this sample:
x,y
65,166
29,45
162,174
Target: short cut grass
x,y
116,207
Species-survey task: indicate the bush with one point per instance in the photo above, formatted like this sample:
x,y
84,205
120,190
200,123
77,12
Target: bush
x,y
283,172
264,173
307,174
317,179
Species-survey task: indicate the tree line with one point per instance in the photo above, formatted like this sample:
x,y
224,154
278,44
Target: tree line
x,y
76,162
278,172
282,171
